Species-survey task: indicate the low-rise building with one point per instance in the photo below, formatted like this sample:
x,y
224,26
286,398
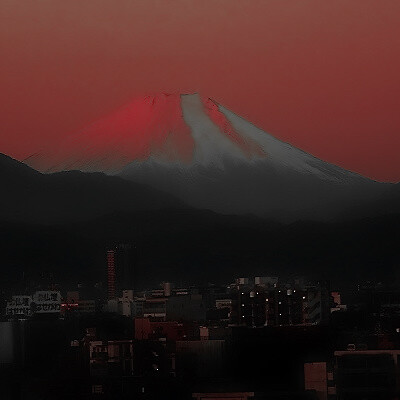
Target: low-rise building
x,y
367,374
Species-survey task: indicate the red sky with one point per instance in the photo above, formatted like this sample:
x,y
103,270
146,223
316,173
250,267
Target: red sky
x,y
322,75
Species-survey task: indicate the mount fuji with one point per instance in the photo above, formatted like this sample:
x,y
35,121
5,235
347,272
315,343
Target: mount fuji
x,y
204,154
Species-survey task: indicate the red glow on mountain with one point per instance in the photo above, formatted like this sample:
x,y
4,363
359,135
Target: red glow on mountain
x,y
153,126
147,126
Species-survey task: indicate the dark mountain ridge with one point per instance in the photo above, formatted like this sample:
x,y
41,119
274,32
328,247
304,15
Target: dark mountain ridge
x,y
63,223
30,196
200,247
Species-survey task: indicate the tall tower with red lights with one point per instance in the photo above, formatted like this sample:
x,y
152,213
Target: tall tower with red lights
x,y
111,274
120,269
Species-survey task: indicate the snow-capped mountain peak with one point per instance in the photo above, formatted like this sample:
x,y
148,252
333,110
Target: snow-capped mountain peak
x,y
197,149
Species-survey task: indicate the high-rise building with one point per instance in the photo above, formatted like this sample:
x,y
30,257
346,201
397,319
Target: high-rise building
x,y
120,269
110,274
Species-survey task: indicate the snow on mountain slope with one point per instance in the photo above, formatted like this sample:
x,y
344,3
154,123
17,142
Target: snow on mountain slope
x,y
208,156
173,128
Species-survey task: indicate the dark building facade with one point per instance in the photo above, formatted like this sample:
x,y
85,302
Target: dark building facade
x,y
369,374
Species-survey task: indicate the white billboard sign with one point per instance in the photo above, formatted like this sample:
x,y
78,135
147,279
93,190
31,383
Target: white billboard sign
x,y
47,301
19,305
